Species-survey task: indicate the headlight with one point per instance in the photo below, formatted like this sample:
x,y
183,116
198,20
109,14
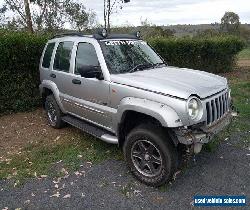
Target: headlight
x,y
194,107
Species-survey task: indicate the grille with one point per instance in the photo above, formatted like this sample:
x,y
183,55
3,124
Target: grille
x,y
217,107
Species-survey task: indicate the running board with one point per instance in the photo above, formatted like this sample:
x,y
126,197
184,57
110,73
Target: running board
x,y
91,129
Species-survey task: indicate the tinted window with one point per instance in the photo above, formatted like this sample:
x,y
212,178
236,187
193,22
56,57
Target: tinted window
x,y
63,55
48,54
86,55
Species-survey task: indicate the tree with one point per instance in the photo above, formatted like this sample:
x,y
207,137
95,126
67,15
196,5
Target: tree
x,y
145,22
207,33
50,15
230,23
79,18
28,16
3,9
18,8
149,30
110,7
245,33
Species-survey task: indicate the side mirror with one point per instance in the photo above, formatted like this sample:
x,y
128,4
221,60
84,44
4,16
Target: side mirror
x,y
91,72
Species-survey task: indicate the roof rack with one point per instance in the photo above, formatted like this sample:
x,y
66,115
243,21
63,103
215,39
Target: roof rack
x,y
98,36
116,36
68,34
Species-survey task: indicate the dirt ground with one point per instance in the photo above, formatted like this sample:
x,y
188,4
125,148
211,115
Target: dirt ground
x,y
244,63
18,130
240,73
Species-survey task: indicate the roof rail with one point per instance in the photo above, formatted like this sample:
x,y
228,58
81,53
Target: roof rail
x,y
68,34
98,36
116,36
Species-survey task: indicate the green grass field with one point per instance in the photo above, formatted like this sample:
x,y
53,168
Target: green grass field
x,y
240,126
244,54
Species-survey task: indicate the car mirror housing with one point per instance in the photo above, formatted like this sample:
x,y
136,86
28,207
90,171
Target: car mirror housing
x,y
89,71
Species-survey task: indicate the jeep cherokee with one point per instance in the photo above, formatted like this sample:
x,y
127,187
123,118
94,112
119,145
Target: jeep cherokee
x,y
118,89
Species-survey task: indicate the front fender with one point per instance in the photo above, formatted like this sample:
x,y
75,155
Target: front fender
x,y
52,86
163,113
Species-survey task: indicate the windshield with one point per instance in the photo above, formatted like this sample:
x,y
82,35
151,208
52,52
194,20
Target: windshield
x,y
124,56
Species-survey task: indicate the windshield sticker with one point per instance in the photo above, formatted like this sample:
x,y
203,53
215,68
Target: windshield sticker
x,y
125,42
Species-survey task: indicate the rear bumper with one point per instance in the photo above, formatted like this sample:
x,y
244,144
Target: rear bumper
x,y
204,134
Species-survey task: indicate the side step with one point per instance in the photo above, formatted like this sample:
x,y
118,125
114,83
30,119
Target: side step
x,y
91,129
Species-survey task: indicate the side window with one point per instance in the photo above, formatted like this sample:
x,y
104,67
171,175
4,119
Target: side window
x,y
47,55
86,56
63,55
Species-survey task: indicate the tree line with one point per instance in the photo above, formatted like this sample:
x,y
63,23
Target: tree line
x,y
49,15
55,15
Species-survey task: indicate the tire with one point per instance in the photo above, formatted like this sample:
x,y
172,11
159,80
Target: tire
x,y
154,163
54,113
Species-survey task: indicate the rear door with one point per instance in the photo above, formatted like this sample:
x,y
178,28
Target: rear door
x,y
46,61
61,70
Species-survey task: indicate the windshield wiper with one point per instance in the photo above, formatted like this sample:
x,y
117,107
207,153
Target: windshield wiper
x,y
141,67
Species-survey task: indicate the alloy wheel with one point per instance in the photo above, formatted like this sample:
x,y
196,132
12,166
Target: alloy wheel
x,y
51,111
146,158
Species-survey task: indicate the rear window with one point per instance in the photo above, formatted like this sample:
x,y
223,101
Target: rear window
x,y
47,55
63,55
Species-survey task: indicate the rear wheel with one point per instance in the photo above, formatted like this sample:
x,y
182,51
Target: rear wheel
x,y
150,155
54,114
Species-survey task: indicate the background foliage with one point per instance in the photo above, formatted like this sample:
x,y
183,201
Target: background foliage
x,y
19,76
44,15
214,54
20,55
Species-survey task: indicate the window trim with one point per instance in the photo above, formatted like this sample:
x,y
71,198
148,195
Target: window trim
x,y
71,54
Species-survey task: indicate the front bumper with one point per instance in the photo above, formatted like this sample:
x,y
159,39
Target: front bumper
x,y
203,134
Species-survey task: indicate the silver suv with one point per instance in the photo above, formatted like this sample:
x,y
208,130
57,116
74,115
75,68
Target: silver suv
x,y
117,88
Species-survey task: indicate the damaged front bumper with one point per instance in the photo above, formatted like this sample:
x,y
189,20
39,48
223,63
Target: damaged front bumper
x,y
197,136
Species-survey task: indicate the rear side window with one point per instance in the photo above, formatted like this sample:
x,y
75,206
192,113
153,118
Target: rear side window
x,y
48,54
86,55
63,55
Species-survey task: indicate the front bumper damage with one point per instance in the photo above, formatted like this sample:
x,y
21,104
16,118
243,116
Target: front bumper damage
x,y
196,136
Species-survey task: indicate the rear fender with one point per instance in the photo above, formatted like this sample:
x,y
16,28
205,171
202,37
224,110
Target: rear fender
x,y
52,86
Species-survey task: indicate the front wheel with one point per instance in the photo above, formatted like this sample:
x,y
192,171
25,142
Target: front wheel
x,y
150,155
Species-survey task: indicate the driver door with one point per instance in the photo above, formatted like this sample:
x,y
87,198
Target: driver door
x,y
88,96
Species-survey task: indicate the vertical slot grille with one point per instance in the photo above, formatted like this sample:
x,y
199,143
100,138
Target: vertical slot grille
x,y
217,108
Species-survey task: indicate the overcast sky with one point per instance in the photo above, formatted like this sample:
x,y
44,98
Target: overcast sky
x,y
167,12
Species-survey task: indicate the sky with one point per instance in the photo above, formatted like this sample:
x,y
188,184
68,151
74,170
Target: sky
x,y
169,12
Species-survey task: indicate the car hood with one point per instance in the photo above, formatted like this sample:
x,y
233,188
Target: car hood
x,y
178,82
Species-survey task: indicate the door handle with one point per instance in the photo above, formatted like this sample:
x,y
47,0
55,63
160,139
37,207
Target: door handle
x,y
76,81
53,75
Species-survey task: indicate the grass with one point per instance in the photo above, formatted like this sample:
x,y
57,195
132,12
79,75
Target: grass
x,y
244,54
38,159
240,126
